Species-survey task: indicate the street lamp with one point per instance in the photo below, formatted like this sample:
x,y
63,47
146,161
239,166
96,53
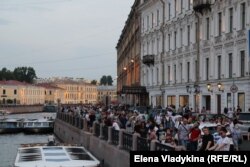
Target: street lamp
x,y
220,87
124,68
209,88
132,61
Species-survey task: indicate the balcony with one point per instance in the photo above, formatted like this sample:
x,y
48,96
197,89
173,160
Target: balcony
x,y
202,5
229,36
241,34
218,40
148,60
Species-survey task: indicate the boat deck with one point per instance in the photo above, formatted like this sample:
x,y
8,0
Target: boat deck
x,y
54,156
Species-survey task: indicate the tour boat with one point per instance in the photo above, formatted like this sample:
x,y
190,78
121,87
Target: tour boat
x,y
10,125
38,125
55,156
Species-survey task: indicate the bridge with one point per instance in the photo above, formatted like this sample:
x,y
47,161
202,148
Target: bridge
x,y
108,145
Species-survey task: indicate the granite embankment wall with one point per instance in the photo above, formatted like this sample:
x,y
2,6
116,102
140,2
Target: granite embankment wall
x,y
101,149
22,109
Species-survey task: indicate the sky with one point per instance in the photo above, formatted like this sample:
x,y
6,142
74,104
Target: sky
x,y
62,38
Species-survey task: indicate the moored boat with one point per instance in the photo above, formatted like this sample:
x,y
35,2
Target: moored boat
x,y
55,156
11,125
38,125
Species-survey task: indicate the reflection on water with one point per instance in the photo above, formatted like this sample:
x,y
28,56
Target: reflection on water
x,y
9,143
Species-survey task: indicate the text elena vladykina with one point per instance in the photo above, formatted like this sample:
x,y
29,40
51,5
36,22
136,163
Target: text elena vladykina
x,y
168,158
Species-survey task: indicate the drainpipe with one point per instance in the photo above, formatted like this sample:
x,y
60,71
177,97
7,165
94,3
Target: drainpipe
x,y
163,50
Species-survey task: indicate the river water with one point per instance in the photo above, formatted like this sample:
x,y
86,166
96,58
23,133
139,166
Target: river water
x,y
9,143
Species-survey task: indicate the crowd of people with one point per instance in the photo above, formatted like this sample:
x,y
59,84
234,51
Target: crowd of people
x,y
180,130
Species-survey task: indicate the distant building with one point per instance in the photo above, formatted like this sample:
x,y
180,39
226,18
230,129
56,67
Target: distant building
x,y
15,92
106,94
52,93
77,92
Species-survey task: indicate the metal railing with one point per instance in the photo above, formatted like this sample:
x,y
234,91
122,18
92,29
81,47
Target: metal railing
x,y
115,137
143,144
105,132
127,141
97,130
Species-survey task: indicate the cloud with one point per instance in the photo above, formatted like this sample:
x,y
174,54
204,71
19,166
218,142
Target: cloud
x,y
4,22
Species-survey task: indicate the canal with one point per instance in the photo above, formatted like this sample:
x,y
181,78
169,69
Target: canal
x,y
9,143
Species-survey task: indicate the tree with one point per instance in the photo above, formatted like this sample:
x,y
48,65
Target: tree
x,y
109,80
26,74
94,82
103,80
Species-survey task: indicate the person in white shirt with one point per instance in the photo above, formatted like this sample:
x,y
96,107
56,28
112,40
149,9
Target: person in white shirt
x,y
115,125
223,144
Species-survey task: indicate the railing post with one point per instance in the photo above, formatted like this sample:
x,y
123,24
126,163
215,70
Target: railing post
x,y
82,124
101,131
153,145
120,145
94,127
134,142
85,125
109,134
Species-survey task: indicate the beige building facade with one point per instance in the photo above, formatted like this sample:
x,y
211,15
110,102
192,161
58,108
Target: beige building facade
x,y
15,92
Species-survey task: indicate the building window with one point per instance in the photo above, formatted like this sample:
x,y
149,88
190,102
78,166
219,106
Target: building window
x,y
158,45
181,6
158,17
196,32
207,68
181,38
152,20
157,76
243,16
152,79
181,72
175,6
189,4
175,40
196,69
188,35
188,71
4,91
169,73
219,23
219,67
241,101
175,78
169,40
242,63
169,11
50,93
231,19
229,100
230,65
15,92
147,22
208,28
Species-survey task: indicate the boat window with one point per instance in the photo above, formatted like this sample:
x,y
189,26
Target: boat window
x,y
57,160
38,123
30,123
54,154
45,124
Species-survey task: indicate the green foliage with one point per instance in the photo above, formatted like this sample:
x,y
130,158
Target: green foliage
x,y
106,80
23,74
94,82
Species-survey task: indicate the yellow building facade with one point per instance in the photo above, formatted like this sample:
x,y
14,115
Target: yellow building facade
x,y
15,92
77,92
106,94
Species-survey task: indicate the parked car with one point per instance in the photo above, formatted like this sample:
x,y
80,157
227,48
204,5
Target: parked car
x,y
244,119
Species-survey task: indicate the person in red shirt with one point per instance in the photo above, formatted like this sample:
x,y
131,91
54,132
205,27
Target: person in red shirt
x,y
194,136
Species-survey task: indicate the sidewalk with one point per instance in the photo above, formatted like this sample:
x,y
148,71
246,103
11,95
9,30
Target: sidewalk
x,y
245,146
